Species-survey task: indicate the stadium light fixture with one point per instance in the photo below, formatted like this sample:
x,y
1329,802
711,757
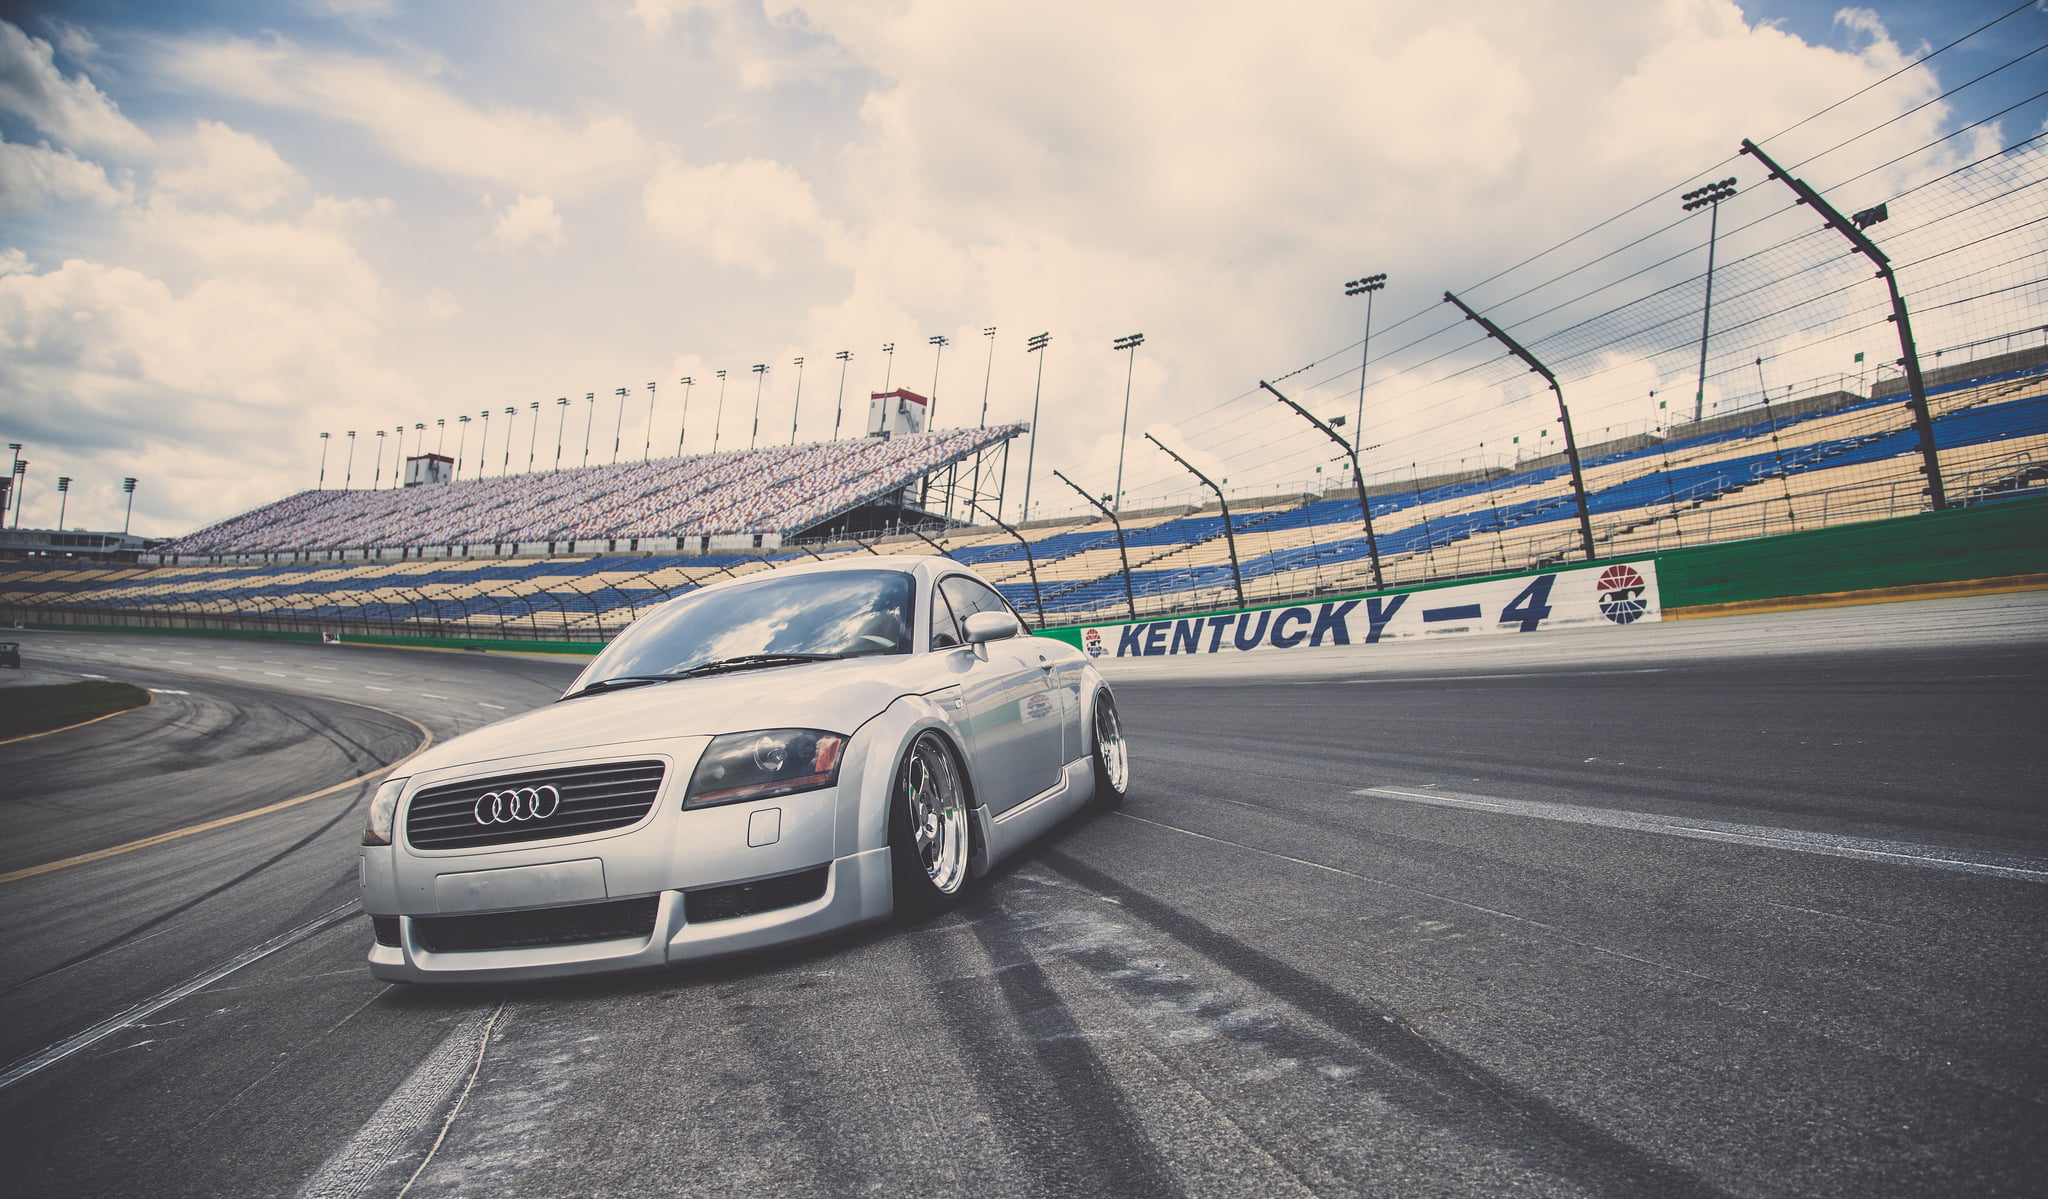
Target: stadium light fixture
x,y
128,485
377,476
589,416
63,498
760,377
799,404
1709,198
419,444
483,450
511,415
561,419
440,434
938,342
1129,342
1364,286
619,426
461,444
533,434
890,350
20,487
1034,344
397,454
14,449
322,484
718,413
349,471
647,450
839,407
683,425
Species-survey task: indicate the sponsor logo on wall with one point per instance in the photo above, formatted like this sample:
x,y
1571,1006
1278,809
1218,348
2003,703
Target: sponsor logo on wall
x,y
1622,594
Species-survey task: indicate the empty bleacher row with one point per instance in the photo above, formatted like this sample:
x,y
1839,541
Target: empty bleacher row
x,y
1856,460
778,490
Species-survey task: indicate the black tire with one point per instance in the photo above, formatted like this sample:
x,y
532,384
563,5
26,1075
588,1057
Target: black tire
x,y
931,833
1110,753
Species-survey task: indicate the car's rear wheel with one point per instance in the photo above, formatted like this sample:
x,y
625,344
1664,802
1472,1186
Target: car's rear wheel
x,y
930,836
1112,756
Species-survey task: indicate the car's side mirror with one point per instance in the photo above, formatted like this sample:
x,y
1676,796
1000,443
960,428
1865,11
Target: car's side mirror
x,y
991,626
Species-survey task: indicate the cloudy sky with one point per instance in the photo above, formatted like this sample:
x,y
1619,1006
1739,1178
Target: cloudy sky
x,y
226,228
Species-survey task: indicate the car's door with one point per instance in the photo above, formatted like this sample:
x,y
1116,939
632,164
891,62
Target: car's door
x,y
1014,712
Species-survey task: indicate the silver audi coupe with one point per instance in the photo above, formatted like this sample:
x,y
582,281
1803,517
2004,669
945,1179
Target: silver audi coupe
x,y
759,761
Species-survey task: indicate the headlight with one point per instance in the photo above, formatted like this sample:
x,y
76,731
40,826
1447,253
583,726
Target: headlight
x,y
383,812
764,763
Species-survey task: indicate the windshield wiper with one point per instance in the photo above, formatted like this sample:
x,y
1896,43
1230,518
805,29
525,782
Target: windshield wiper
x,y
622,680
744,661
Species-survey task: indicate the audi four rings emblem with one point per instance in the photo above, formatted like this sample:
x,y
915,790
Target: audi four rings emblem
x,y
517,804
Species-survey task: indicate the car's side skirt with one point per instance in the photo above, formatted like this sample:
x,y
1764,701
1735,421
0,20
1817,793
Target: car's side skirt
x,y
1006,834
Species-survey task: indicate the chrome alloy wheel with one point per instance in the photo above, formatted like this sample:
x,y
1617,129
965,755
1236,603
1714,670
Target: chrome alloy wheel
x,y
1112,757
937,810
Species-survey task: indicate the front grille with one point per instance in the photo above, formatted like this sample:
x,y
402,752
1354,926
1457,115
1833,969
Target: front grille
x,y
541,926
593,798
762,895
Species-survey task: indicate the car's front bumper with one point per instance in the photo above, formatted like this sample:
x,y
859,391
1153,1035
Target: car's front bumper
x,y
857,890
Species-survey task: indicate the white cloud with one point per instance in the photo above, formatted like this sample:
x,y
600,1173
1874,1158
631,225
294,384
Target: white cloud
x,y
527,220
225,167
736,214
422,123
36,177
72,111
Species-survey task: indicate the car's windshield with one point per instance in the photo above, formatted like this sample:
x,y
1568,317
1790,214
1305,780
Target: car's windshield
x,y
831,613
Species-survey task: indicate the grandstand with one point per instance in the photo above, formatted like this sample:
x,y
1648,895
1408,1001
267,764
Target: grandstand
x,y
576,555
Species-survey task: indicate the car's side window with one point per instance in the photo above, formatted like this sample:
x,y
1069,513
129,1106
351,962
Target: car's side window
x,y
969,596
945,627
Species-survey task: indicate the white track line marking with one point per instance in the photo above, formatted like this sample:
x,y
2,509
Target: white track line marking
x,y
149,1007
453,1063
1934,857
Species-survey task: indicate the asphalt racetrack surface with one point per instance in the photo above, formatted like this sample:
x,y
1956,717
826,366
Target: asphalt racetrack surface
x,y
1750,906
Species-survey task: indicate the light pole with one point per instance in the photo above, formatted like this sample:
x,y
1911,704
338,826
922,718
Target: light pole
x,y
461,443
987,373
1365,287
397,453
683,426
128,485
63,499
589,417
419,444
20,487
839,406
1709,198
619,426
760,377
718,413
647,449
889,368
377,477
483,449
938,342
797,406
14,448
1372,541
322,484
532,434
440,434
1035,345
349,472
511,415
561,419
1131,343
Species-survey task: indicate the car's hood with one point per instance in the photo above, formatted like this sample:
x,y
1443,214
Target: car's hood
x,y
836,696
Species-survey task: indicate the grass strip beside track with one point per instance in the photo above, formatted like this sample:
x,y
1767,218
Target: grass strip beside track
x,y
33,711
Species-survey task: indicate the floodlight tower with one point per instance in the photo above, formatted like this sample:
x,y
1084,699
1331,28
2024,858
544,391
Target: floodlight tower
x,y
397,454
349,471
1364,287
1129,342
483,449
888,370
511,415
1034,345
798,405
377,476
461,443
938,343
647,449
20,487
561,420
419,444
1709,198
589,418
760,378
322,484
619,425
63,498
128,485
683,425
532,434
718,413
839,406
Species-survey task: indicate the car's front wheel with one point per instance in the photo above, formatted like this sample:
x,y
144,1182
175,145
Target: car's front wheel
x,y
930,837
